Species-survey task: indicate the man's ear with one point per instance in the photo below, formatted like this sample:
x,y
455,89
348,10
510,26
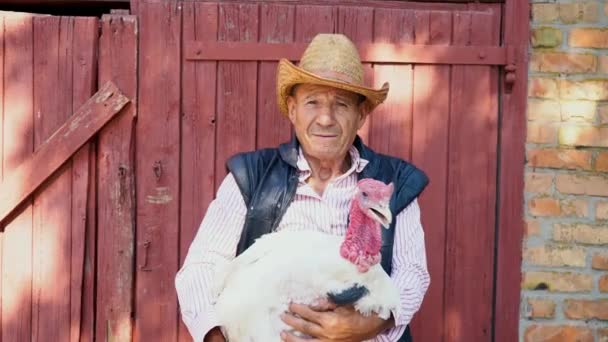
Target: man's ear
x,y
291,109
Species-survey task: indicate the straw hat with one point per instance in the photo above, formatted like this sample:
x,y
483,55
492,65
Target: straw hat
x,y
330,60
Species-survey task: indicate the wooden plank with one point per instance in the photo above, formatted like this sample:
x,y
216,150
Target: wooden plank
x,y
511,182
391,127
369,52
430,152
276,25
51,154
116,188
84,73
52,205
18,146
311,20
158,176
236,81
198,126
357,24
87,325
2,53
471,188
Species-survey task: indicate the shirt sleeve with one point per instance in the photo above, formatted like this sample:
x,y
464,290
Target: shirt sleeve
x,y
215,243
409,271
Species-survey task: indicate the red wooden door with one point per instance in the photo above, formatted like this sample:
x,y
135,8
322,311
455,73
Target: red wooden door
x,y
441,114
59,274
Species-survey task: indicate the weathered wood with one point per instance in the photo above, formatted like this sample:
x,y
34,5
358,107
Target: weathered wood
x,y
87,325
357,24
369,53
158,176
18,146
1,158
198,129
51,154
511,184
471,187
236,104
276,25
84,69
430,152
391,126
116,184
52,204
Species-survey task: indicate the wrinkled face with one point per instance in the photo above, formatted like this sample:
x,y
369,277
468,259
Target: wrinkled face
x,y
325,119
374,199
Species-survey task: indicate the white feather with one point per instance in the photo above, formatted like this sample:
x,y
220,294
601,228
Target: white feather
x,y
291,266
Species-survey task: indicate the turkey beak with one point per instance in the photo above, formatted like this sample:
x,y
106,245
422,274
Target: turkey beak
x,y
383,215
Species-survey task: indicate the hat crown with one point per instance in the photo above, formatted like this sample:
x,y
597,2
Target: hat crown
x,y
333,56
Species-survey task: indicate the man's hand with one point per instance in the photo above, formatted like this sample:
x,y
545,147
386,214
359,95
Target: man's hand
x,y
214,335
325,322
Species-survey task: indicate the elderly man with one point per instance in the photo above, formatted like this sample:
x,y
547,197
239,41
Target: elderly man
x,y
275,189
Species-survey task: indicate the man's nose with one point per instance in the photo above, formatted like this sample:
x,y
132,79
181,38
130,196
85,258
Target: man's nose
x,y
326,116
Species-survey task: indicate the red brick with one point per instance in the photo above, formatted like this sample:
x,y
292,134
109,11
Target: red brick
x,y
559,158
586,309
538,182
578,13
540,308
540,133
603,64
582,185
600,261
581,233
561,62
557,281
601,162
531,228
578,111
589,37
603,115
557,333
555,255
543,87
583,136
546,37
603,283
591,89
601,210
545,13
574,207
544,110
544,207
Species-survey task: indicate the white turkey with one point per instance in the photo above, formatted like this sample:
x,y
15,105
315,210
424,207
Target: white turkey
x,y
307,266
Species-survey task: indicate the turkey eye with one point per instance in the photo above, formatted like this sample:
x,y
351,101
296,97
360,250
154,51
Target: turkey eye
x,y
364,194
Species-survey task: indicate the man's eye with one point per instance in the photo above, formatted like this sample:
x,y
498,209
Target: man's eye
x,y
312,102
342,104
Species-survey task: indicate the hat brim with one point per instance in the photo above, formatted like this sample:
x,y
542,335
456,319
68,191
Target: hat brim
x,y
288,75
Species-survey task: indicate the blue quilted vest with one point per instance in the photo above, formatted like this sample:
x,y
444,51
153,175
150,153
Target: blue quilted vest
x,y
268,180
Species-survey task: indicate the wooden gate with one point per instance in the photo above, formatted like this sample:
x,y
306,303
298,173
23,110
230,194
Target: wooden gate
x,y
97,209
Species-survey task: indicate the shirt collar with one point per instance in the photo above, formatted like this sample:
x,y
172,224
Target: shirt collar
x,y
357,164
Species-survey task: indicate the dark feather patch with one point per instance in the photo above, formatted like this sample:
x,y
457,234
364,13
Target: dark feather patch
x,y
348,296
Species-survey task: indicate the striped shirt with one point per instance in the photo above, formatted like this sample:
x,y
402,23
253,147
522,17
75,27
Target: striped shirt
x,y
219,233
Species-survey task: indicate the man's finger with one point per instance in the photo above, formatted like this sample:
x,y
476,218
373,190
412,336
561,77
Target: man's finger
x,y
306,312
289,337
302,325
323,304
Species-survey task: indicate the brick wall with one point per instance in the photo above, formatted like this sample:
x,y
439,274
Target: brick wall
x,y
565,261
